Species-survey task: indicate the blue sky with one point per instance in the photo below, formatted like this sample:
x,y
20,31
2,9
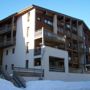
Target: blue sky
x,y
76,8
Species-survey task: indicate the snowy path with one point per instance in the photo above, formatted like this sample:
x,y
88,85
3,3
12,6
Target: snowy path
x,y
47,85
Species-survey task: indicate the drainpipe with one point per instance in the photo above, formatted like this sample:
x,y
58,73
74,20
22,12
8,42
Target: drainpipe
x,y
42,51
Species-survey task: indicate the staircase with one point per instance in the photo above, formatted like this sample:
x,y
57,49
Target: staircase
x,y
16,80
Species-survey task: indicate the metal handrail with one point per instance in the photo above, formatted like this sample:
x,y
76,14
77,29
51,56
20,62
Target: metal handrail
x,y
20,82
58,69
53,36
20,69
50,35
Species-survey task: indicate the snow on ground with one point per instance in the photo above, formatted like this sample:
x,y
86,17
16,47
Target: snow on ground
x,y
6,85
47,85
57,85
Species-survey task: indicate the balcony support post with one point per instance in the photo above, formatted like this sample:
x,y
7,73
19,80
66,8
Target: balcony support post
x,y
55,24
42,35
12,28
5,40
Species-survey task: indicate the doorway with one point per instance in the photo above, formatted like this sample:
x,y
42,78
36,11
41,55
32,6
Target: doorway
x,y
27,64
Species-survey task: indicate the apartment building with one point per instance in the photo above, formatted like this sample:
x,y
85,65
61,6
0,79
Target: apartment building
x,y
87,48
41,43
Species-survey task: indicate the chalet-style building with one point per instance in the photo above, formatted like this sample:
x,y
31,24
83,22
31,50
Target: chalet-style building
x,y
41,43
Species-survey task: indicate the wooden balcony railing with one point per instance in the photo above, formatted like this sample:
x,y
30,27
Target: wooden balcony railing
x,y
68,34
7,43
81,50
6,28
74,36
80,39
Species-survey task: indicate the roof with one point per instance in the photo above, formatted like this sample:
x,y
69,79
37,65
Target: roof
x,y
17,14
5,19
54,12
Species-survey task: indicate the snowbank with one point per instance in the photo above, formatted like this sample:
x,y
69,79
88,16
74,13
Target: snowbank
x,y
6,85
47,85
57,85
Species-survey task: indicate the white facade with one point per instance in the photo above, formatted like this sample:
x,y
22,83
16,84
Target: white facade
x,y
20,56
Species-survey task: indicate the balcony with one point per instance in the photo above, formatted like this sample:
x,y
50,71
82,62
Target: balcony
x,y
6,29
74,36
75,45
60,30
53,37
33,72
89,50
7,43
37,51
68,34
80,39
38,34
49,36
81,50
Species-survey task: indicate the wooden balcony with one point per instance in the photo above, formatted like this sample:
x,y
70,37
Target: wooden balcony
x,y
81,50
80,39
74,36
87,50
68,34
6,29
49,36
7,43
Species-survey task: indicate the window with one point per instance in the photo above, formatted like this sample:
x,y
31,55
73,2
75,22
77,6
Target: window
x,y
37,62
12,66
6,67
27,47
13,50
27,64
28,16
38,18
56,64
27,31
6,52
49,22
45,21
68,26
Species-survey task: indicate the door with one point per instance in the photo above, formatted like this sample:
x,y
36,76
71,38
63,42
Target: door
x,y
27,63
